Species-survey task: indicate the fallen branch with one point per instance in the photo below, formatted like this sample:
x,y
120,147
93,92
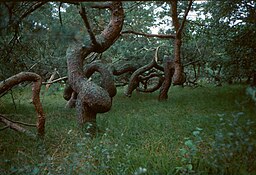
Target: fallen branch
x,y
18,122
15,127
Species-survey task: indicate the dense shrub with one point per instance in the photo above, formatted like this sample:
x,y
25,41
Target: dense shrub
x,y
231,151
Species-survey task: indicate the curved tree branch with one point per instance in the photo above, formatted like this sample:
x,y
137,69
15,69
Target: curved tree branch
x,y
36,87
155,87
136,76
107,77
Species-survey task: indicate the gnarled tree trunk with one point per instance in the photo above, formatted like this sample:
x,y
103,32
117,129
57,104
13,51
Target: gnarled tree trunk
x,y
169,68
138,77
91,98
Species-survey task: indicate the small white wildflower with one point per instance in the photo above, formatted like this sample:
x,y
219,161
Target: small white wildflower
x,y
140,171
87,134
69,131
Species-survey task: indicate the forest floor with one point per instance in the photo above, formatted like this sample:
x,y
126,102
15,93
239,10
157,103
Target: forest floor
x,y
205,130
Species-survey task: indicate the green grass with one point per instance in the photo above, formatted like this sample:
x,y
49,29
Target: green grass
x,y
138,134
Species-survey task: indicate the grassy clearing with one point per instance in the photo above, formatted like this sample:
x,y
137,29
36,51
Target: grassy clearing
x,y
139,135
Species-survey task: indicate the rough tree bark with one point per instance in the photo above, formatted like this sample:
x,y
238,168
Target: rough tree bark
x,y
179,76
107,83
137,77
70,95
122,69
169,69
91,98
36,87
146,79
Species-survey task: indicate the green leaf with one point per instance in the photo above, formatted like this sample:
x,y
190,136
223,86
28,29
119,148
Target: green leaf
x,y
196,133
35,170
189,143
190,167
199,129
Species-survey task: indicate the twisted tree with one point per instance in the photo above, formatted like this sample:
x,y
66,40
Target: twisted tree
x,y
92,98
143,74
173,69
150,71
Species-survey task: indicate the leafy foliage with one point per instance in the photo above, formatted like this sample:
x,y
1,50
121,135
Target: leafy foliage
x,y
230,151
229,33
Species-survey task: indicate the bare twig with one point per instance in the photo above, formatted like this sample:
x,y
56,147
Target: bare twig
x,y
51,78
163,36
56,80
32,66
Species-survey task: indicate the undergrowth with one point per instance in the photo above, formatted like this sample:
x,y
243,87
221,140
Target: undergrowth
x,y
206,130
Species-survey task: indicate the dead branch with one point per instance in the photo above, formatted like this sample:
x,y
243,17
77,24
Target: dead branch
x,y
154,88
15,126
163,36
124,68
18,122
56,80
51,78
